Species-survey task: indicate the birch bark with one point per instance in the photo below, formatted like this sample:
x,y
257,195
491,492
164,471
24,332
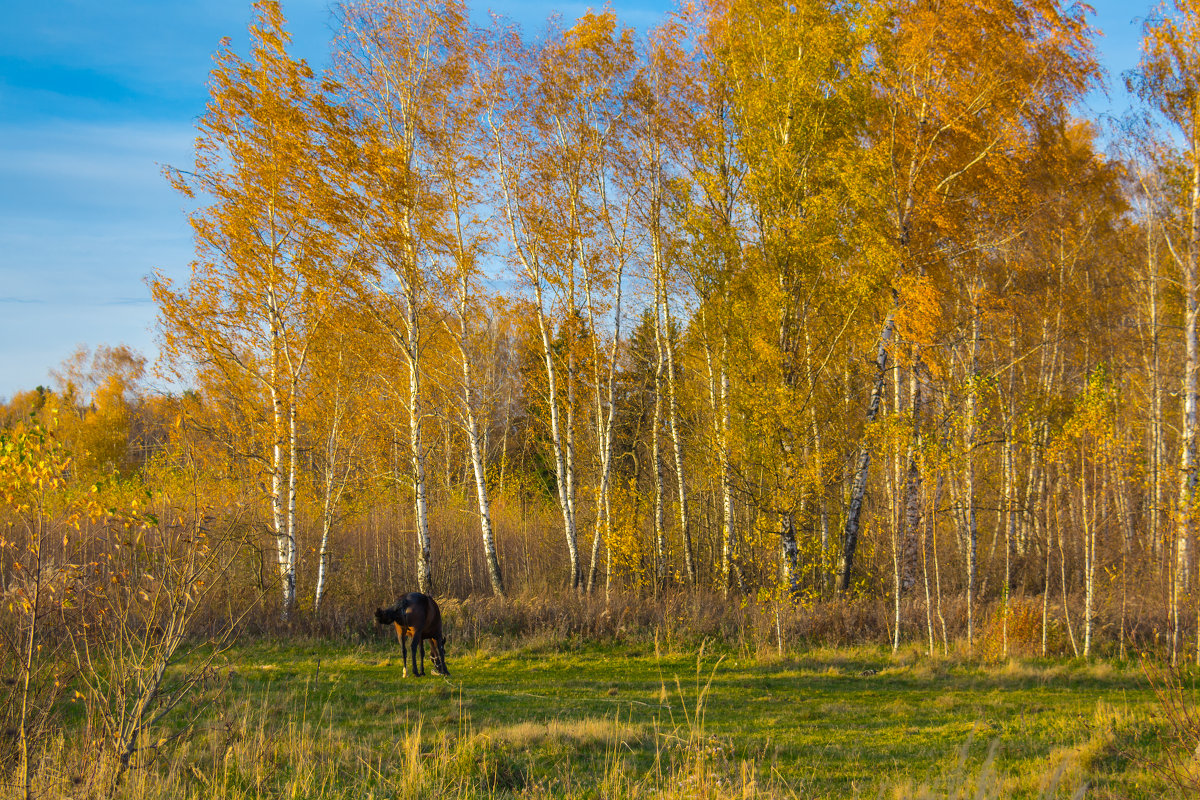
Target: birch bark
x,y
660,538
971,534
718,391
527,253
471,427
336,477
605,411
858,488
605,400
685,530
1167,78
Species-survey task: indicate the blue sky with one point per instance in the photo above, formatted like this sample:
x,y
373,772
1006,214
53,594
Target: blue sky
x,y
95,97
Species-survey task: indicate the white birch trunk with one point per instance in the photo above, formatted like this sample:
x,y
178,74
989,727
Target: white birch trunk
x,y
603,506
569,466
281,505
1157,454
478,467
333,489
416,446
662,318
565,503
972,530
660,538
293,549
1189,390
477,446
481,491
605,409
858,488
278,513
929,526
605,400
728,533
789,554
1089,554
323,552
677,445
533,271
1010,511
910,522
718,394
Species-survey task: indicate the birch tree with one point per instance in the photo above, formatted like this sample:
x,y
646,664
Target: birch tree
x,y
959,82
458,153
1168,78
398,64
341,382
616,187
800,100
561,99
656,140
712,211
253,303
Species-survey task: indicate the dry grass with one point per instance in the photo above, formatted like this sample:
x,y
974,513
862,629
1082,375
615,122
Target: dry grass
x,y
577,733
315,759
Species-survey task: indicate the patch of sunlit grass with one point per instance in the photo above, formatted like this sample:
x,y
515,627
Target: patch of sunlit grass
x,y
587,732
605,719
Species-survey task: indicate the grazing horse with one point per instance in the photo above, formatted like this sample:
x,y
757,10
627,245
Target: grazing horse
x,y
417,615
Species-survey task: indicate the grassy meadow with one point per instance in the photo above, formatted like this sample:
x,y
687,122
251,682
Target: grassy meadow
x,y
312,719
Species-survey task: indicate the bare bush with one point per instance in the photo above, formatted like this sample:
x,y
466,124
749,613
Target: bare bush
x,y
1178,762
131,644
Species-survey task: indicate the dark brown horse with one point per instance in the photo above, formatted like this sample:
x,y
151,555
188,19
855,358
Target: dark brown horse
x,y
417,615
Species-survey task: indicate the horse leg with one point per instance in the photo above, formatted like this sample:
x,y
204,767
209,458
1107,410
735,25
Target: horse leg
x,y
436,655
422,640
441,646
403,650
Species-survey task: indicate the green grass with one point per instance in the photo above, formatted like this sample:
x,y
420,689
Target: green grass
x,y
625,720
